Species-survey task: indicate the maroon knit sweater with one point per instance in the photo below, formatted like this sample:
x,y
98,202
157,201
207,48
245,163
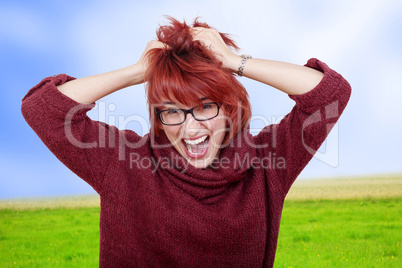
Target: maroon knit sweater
x,y
158,211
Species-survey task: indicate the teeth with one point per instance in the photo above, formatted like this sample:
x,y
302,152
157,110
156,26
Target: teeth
x,y
191,151
189,143
197,141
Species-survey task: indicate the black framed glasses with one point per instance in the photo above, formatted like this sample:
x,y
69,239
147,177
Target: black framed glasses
x,y
176,116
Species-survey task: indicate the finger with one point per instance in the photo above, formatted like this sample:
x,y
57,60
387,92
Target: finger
x,y
196,30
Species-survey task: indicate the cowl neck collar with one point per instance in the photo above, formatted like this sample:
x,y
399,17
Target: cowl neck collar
x,y
232,166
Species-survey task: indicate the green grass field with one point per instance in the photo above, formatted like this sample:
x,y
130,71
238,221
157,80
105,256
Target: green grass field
x,y
324,224
340,233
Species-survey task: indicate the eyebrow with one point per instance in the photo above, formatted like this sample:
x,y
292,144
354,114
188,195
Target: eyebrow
x,y
170,102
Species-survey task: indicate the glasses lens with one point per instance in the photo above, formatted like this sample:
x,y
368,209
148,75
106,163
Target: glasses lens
x,y
205,111
172,116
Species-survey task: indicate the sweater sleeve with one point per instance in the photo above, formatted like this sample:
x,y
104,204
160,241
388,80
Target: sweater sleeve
x,y
300,133
83,145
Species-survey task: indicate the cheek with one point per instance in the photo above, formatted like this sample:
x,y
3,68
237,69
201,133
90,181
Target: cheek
x,y
220,129
172,132
220,122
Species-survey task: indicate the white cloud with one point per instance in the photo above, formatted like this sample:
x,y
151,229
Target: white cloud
x,y
354,24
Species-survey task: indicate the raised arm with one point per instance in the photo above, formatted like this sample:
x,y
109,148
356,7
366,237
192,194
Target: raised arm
x,y
290,78
56,110
90,89
320,94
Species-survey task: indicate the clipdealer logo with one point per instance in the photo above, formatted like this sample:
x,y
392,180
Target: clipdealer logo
x,y
328,153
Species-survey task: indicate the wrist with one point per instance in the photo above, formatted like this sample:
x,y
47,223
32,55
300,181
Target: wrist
x,y
233,63
244,59
135,74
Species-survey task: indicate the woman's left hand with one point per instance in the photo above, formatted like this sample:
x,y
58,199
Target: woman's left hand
x,y
213,40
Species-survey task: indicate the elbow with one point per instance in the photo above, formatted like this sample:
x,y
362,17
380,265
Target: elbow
x,y
30,109
26,110
345,92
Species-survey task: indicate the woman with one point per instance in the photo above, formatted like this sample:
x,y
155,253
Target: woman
x,y
199,190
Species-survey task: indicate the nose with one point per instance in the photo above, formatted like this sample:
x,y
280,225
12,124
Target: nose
x,y
191,126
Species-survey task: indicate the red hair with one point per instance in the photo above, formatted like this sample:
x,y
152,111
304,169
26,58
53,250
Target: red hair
x,y
186,70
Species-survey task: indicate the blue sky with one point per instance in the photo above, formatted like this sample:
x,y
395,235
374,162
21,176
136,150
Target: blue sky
x,y
359,39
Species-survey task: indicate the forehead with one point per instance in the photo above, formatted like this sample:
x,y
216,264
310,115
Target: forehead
x,y
174,102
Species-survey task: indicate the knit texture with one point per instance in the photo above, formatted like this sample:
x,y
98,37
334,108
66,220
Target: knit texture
x,y
159,211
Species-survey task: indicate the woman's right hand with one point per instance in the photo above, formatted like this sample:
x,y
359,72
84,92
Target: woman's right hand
x,y
91,88
143,61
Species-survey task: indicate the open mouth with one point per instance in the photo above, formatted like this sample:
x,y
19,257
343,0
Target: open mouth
x,y
196,148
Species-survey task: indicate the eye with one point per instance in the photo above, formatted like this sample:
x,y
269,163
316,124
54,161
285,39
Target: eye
x,y
207,106
172,111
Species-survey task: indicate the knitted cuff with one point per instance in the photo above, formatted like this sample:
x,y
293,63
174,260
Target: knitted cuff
x,y
325,92
51,95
